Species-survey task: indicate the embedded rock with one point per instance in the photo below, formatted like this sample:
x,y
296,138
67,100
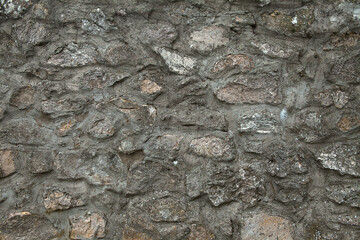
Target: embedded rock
x,y
208,38
88,226
213,147
262,226
7,165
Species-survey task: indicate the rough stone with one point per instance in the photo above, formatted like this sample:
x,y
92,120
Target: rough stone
x,y
14,8
63,107
344,194
263,122
348,122
266,227
39,161
332,96
55,199
149,87
23,97
177,63
74,55
213,147
250,90
226,185
208,38
345,70
97,23
101,127
7,165
28,226
159,34
299,22
24,131
131,234
119,54
240,61
88,226
343,158
274,50
99,79
309,124
198,232
196,116
33,33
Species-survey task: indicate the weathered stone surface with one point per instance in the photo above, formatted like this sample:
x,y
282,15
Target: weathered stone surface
x,y
343,158
38,161
24,131
159,34
332,96
23,97
14,8
344,194
28,226
55,199
250,90
348,122
273,49
298,22
196,116
119,54
309,124
33,33
74,55
101,127
213,147
97,167
176,62
240,61
131,234
149,87
97,23
226,184
258,122
346,40
7,165
99,79
167,210
208,38
345,70
198,232
63,107
266,227
88,226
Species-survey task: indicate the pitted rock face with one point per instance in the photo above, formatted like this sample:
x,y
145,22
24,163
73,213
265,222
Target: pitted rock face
x,y
179,119
88,226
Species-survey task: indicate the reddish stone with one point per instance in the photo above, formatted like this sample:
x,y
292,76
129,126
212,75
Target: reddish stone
x,y
243,62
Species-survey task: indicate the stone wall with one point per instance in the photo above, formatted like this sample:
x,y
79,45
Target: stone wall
x,y
180,119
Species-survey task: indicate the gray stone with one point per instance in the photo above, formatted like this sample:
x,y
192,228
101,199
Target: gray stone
x,y
208,38
343,158
74,55
262,122
213,147
178,64
344,194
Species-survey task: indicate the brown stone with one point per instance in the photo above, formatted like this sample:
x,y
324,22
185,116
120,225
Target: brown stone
x,y
250,90
345,40
23,98
60,200
332,96
88,226
149,87
348,122
65,127
131,234
213,147
7,166
28,226
198,232
243,62
266,227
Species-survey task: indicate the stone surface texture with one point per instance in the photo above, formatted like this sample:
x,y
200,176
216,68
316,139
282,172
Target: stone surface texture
x,y
180,119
